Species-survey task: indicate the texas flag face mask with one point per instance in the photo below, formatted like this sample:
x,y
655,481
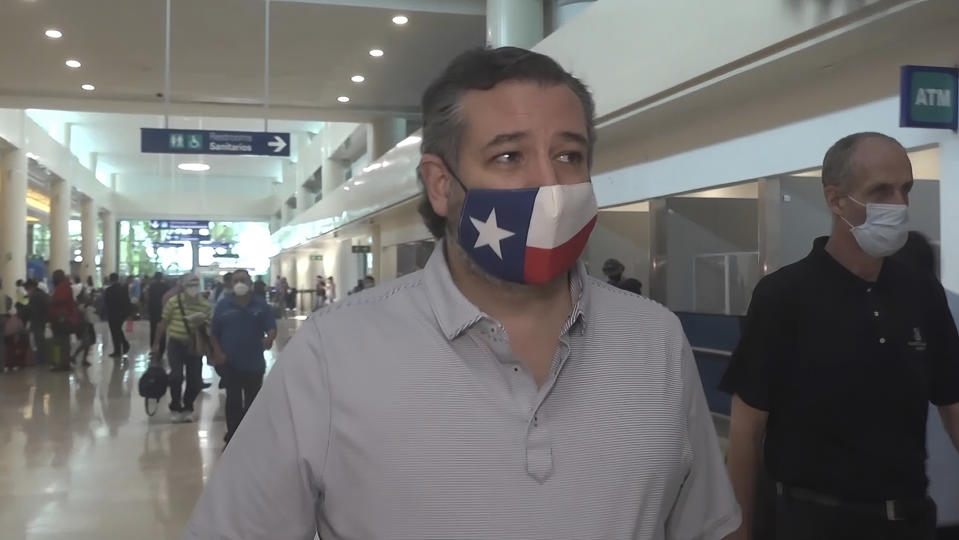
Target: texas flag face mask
x,y
530,235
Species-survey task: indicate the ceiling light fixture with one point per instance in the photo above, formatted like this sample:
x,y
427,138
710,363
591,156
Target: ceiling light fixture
x,y
88,87
343,99
53,33
357,78
401,20
73,64
193,167
376,53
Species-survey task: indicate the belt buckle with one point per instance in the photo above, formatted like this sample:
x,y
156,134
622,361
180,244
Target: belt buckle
x,y
891,514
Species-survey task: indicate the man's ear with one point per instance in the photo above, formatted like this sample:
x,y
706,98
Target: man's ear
x,y
833,196
436,179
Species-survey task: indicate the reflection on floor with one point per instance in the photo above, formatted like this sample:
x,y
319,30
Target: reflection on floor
x,y
80,459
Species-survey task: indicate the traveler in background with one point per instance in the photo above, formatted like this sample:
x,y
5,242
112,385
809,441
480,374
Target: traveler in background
x,y
64,318
16,342
87,332
613,270
320,291
243,327
183,316
330,290
37,310
77,287
90,283
21,293
133,288
502,394
158,289
222,287
259,288
840,355
119,309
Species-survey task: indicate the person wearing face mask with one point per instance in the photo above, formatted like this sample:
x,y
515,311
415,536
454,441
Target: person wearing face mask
x,y
184,315
243,328
503,393
840,355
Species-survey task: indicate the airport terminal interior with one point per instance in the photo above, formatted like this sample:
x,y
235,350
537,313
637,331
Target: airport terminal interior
x,y
157,139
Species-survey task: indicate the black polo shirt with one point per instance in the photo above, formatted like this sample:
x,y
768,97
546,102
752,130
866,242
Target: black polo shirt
x,y
846,369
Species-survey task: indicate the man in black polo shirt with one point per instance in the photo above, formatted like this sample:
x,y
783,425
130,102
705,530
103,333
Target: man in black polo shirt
x,y
840,355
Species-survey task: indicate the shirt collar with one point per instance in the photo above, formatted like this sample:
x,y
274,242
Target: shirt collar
x,y
455,313
826,262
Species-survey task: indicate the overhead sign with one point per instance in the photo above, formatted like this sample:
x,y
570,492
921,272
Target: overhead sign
x,y
362,249
162,224
194,141
169,244
195,236
316,257
928,97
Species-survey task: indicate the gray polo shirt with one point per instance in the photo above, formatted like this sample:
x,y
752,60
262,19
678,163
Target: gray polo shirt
x,y
402,412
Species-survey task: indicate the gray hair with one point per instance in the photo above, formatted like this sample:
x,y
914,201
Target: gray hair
x,y
837,166
482,69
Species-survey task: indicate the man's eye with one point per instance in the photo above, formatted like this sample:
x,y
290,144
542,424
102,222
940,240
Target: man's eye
x,y
573,158
507,157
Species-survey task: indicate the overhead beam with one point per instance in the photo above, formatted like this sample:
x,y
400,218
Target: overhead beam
x,y
458,7
230,110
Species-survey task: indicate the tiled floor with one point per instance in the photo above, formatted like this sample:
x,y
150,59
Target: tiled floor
x,y
80,459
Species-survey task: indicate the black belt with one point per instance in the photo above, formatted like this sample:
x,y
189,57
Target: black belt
x,y
891,510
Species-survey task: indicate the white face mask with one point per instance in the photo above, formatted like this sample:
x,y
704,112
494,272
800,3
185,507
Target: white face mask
x,y
193,290
241,289
885,230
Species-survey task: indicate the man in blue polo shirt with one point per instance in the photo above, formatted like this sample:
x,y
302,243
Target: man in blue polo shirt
x,y
243,327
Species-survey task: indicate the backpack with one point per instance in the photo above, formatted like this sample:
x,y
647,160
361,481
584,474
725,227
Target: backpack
x,y
153,385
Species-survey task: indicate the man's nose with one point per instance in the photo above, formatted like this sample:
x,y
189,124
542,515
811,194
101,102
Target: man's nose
x,y
543,171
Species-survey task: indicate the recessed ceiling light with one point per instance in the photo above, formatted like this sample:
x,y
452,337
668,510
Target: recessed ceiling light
x,y
53,33
376,53
346,188
357,78
194,167
88,87
401,19
73,64
343,99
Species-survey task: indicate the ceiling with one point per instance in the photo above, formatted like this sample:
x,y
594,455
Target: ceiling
x,y
217,55
217,73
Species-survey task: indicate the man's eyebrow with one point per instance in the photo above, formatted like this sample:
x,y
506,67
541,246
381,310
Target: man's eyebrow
x,y
575,137
504,138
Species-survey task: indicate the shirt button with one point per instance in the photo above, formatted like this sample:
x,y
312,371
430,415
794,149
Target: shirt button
x,y
875,313
869,289
882,340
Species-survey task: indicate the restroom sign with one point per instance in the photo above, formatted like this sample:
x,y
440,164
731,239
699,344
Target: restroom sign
x,y
929,97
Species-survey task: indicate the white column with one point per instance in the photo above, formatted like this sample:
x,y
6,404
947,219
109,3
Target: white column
x,y
88,235
376,248
13,219
332,175
60,226
515,23
382,134
108,264
345,272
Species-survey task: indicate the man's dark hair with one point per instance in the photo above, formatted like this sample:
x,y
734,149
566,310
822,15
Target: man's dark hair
x,y
30,284
114,278
58,276
482,69
837,166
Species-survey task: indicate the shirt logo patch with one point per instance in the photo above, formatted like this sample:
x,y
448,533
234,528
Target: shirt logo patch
x,y
917,343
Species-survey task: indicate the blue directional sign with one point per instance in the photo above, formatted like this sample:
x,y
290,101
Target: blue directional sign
x,y
162,224
194,141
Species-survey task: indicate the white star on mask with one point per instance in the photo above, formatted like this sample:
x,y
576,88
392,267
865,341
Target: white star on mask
x,y
490,234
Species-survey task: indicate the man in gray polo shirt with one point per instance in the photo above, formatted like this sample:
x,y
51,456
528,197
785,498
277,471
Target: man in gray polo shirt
x,y
503,393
